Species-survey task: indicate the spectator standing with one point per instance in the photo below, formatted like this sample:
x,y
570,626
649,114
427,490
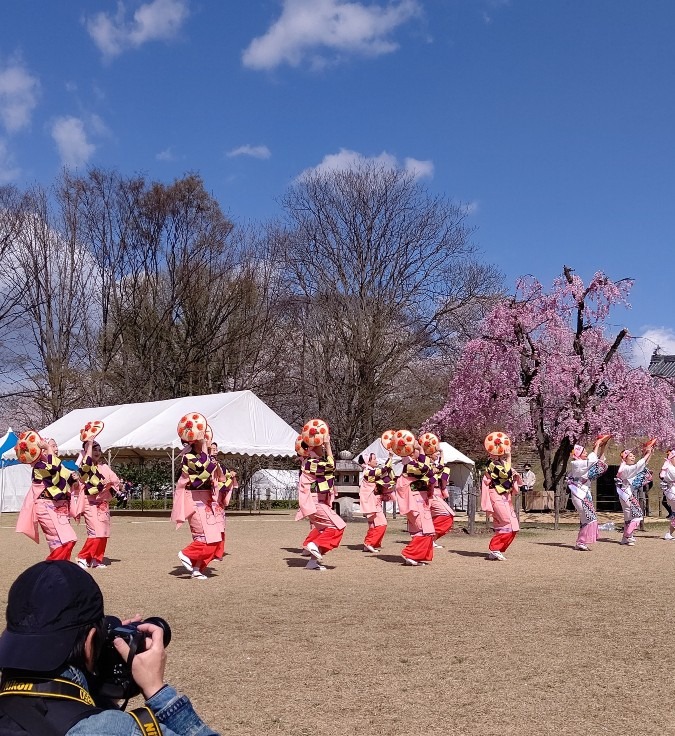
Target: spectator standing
x,y
529,479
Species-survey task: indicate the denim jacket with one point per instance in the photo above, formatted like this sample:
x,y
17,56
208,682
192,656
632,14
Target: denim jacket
x,y
174,712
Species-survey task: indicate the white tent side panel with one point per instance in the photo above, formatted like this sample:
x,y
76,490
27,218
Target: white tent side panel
x,y
282,485
14,484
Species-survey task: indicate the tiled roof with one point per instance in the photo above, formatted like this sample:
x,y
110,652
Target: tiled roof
x,y
662,365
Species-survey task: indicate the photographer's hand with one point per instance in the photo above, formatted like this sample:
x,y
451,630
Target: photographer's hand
x,y
147,667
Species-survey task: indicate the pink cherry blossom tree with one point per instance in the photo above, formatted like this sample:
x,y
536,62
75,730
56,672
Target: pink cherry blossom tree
x,y
545,370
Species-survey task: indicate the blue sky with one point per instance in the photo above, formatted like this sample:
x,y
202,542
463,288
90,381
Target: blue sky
x,y
551,120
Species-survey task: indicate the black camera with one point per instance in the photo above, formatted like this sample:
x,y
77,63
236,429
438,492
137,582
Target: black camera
x,y
113,674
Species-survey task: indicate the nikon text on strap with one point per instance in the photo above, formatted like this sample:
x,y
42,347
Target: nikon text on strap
x,y
65,691
43,707
146,721
56,688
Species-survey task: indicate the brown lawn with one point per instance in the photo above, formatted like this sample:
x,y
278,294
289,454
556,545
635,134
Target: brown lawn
x,y
552,641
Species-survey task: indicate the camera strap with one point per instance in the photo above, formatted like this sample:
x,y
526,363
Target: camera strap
x,y
56,688
45,707
63,690
146,721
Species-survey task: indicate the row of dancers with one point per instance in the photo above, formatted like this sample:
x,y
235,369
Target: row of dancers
x,y
58,496
420,491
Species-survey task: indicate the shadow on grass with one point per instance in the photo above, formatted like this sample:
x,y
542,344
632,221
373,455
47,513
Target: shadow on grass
x,y
355,547
295,562
388,558
468,553
556,544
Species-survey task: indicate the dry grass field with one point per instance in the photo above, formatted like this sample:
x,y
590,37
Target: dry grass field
x,y
552,641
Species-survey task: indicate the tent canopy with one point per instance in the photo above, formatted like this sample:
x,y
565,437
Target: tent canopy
x,y
451,454
461,468
7,442
448,453
242,424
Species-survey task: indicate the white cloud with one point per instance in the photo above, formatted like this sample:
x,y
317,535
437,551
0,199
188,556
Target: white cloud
x,y
71,139
253,151
653,337
157,20
98,126
419,169
18,96
491,6
346,159
166,155
8,172
309,29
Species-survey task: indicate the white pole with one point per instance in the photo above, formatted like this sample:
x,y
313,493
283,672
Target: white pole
x,y
2,478
173,473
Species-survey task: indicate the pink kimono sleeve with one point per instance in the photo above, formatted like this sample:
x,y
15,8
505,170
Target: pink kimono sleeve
x,y
27,522
485,501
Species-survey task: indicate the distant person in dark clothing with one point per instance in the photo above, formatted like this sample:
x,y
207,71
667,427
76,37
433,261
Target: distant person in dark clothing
x,y
667,477
123,494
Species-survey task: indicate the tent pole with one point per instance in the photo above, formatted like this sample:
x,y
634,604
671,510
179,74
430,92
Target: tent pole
x,y
173,472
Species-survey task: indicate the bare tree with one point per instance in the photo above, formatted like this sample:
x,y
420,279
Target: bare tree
x,y
383,274
13,213
101,210
52,269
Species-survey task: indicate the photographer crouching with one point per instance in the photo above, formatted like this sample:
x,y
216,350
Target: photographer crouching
x,y
64,664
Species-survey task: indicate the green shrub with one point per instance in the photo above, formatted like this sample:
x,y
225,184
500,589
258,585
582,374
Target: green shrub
x,y
148,505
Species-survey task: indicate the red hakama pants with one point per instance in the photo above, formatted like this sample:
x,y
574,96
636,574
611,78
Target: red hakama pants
x,y
93,549
325,539
421,548
375,535
501,541
443,524
62,552
201,554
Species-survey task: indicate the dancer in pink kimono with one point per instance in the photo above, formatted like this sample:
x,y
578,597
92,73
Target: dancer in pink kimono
x,y
99,487
224,483
500,484
413,488
47,504
667,477
630,477
376,485
317,476
193,502
442,514
585,467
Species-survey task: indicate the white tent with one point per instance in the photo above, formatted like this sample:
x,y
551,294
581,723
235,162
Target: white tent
x,y
461,473
14,483
281,485
461,468
242,424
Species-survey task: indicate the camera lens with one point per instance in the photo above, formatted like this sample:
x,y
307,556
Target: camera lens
x,y
163,625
